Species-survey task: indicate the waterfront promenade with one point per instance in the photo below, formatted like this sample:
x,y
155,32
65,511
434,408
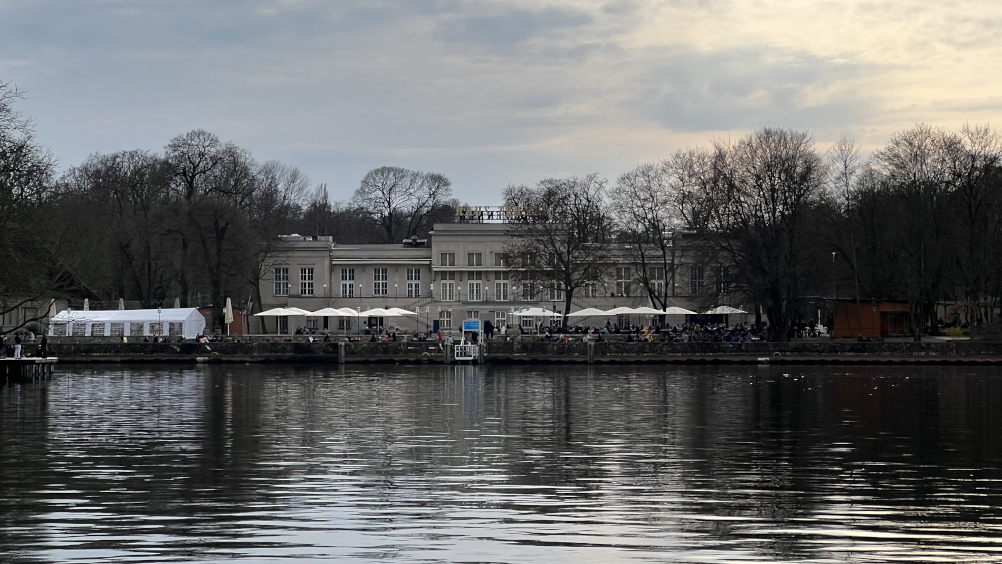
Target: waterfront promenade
x,y
300,350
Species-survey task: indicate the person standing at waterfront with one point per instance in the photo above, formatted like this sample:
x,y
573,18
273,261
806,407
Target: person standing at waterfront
x,y
43,347
17,345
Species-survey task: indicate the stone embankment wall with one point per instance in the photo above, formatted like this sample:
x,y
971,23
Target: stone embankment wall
x,y
523,351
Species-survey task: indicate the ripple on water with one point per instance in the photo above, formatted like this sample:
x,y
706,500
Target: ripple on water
x,y
467,464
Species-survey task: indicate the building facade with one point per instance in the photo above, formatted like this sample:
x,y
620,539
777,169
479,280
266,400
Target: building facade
x,y
459,273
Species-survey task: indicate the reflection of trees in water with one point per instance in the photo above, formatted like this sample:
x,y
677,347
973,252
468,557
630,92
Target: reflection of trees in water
x,y
23,450
193,451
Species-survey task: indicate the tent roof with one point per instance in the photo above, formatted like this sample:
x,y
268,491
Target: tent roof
x,y
123,315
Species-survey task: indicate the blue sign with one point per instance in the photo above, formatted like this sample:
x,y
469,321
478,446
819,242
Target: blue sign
x,y
471,325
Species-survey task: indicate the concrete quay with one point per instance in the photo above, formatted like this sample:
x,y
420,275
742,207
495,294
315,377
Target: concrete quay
x,y
296,350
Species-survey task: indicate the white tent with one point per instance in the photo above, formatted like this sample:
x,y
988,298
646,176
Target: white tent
x,y
183,322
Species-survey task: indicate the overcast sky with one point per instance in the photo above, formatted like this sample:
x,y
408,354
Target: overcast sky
x,y
492,92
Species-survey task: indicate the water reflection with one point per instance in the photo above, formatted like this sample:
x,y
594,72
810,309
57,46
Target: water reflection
x,y
463,463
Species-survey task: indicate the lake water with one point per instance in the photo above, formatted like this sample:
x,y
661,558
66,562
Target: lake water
x,y
502,464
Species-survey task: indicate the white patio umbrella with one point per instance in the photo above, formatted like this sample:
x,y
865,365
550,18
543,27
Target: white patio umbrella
x,y
298,311
644,310
277,312
724,310
400,312
678,311
589,312
377,312
537,312
228,316
622,311
329,312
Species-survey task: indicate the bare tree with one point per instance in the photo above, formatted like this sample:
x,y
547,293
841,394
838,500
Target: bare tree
x,y
648,213
561,242
915,167
26,169
398,200
756,203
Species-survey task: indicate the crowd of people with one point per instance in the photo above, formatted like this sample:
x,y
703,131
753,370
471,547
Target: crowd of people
x,y
14,348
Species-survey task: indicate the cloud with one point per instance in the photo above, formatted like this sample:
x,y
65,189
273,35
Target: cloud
x,y
490,91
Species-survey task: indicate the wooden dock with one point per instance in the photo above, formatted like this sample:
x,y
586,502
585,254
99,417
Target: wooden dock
x,y
26,369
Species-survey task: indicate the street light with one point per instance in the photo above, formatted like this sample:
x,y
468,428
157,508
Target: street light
x,y
834,288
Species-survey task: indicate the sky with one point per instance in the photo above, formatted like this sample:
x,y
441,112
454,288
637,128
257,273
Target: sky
x,y
492,92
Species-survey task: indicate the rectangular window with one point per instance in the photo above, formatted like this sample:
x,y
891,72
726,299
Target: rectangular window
x,y
347,282
500,319
696,280
623,281
475,288
474,259
473,314
306,281
501,290
413,282
379,282
448,259
445,320
281,281
499,260
554,294
723,281
311,323
528,291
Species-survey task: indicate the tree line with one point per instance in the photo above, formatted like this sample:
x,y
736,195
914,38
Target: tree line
x,y
919,219
194,223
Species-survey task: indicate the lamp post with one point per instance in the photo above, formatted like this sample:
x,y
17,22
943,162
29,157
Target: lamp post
x,y
395,290
160,323
834,288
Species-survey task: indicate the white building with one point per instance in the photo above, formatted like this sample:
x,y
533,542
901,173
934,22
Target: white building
x,y
457,274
